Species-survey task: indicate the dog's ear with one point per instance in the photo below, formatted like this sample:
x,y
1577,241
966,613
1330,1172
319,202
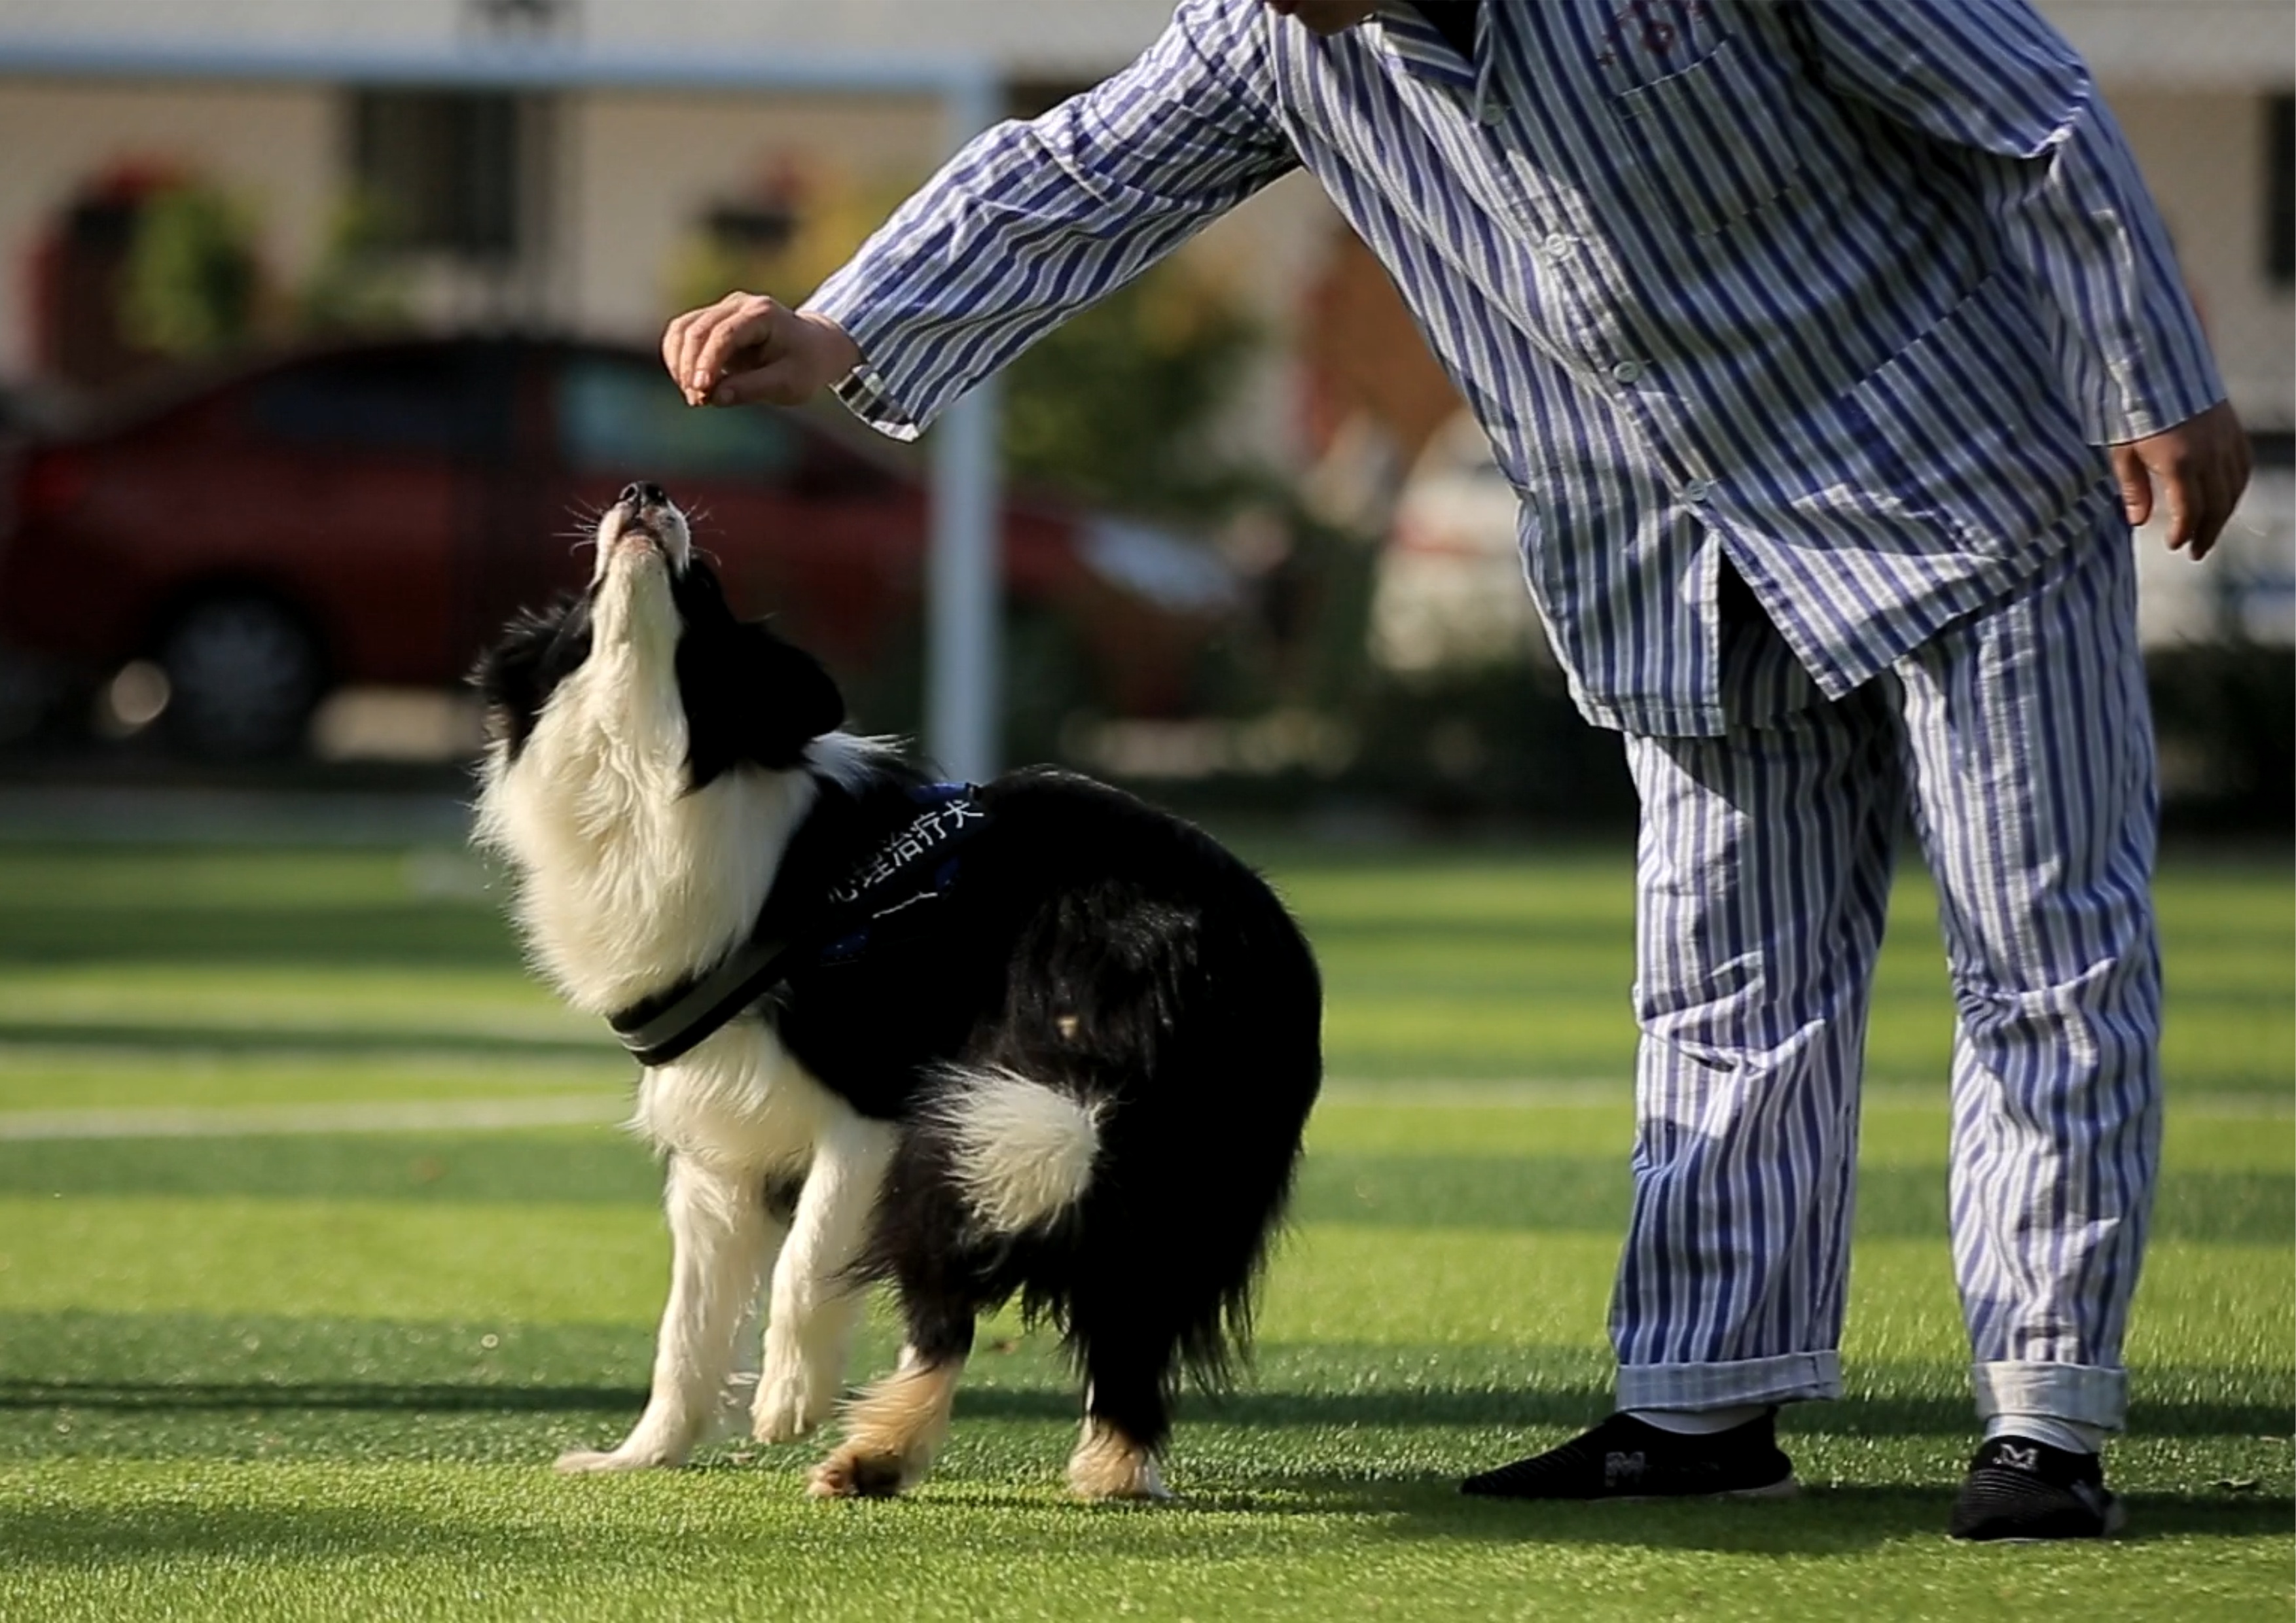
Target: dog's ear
x,y
536,652
751,697
803,687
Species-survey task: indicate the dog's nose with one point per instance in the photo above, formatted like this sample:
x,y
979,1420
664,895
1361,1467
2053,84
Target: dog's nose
x,y
645,496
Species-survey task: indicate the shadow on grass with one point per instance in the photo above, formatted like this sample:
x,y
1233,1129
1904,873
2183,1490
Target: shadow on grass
x,y
1567,1406
1577,1405
91,1536
414,933
353,1040
1545,1194
1821,1520
196,1396
598,1167
1827,1522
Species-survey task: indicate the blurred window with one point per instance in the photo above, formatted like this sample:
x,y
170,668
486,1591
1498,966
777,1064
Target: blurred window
x,y
440,166
416,399
2280,201
627,417
523,16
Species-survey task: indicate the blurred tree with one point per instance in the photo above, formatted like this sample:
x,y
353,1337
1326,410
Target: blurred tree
x,y
192,282
358,284
1118,406
1115,408
798,220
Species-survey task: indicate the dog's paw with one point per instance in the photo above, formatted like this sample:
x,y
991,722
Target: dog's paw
x,y
782,1415
1109,1465
793,1399
851,1474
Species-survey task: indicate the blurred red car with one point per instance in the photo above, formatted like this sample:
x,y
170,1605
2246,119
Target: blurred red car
x,y
373,514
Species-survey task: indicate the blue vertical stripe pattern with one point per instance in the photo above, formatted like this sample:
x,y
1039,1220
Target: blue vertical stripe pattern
x,y
1849,292
2019,744
1838,299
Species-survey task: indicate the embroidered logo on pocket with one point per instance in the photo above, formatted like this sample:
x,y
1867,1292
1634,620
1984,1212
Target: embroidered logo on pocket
x,y
1648,39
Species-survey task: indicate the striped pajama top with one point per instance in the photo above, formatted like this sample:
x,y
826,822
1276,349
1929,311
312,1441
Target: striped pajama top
x,y
1852,291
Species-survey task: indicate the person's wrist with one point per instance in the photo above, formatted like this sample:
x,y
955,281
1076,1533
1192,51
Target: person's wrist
x,y
835,354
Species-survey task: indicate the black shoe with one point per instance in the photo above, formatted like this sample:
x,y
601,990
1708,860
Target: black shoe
x,y
2021,1489
1623,1458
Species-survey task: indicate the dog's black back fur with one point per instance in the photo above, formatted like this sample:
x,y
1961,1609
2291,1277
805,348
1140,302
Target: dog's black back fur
x,y
1103,948
1088,942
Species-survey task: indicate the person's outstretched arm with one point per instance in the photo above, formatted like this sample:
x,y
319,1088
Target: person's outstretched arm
x,y
1992,77
1025,225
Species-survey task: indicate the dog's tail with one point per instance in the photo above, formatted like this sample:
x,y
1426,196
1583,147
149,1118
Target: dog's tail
x,y
1020,1152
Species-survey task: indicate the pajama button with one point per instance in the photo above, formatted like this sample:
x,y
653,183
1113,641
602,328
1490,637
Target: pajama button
x,y
1697,490
1627,372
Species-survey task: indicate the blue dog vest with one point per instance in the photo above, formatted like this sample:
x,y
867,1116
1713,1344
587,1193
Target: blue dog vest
x,y
912,867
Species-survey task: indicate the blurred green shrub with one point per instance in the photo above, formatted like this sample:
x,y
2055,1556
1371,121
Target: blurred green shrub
x,y
1117,407
192,283
358,284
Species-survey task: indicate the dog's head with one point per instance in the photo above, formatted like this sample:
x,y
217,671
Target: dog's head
x,y
654,626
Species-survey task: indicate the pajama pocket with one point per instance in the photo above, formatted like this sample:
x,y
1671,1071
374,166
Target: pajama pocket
x,y
1713,140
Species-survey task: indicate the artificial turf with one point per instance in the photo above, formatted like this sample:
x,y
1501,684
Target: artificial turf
x,y
248,1371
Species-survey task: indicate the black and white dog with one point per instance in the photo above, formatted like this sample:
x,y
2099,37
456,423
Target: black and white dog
x,y
1030,1037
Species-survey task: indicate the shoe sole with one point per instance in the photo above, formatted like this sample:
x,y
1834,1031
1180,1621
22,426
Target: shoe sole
x,y
1785,1487
2115,1519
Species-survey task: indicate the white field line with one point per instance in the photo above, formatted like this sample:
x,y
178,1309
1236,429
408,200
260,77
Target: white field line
x,y
1452,1094
263,1120
587,1110
1620,1093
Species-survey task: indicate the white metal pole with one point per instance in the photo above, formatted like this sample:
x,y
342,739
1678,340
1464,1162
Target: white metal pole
x,y
965,579
965,615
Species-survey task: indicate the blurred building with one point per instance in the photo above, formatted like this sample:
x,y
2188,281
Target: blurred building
x,y
599,210
595,210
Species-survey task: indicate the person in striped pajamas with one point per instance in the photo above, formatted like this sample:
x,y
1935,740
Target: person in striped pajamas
x,y
1832,346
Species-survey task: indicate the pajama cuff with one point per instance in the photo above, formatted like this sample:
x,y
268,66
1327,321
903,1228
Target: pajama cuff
x,y
1787,1378
2084,1393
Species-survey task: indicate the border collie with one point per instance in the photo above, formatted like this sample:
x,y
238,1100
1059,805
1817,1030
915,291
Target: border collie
x,y
1025,1039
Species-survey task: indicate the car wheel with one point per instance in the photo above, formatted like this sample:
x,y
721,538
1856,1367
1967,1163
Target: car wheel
x,y
242,677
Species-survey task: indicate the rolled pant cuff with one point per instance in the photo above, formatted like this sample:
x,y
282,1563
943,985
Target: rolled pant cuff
x,y
1787,1378
2085,1393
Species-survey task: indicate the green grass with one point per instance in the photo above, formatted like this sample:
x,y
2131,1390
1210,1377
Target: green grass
x,y
320,1373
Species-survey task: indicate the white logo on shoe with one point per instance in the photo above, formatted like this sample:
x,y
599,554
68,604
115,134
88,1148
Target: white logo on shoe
x,y
2021,1459
1618,1468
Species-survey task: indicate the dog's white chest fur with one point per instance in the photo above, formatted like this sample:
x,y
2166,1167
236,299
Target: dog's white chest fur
x,y
631,881
739,1103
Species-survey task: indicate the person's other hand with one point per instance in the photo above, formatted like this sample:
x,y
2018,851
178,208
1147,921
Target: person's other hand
x,y
2195,471
748,346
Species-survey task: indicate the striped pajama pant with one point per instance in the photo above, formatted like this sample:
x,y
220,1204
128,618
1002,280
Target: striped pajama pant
x,y
2018,743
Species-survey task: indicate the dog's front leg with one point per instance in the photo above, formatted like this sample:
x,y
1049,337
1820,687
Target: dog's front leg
x,y
809,1324
719,1237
